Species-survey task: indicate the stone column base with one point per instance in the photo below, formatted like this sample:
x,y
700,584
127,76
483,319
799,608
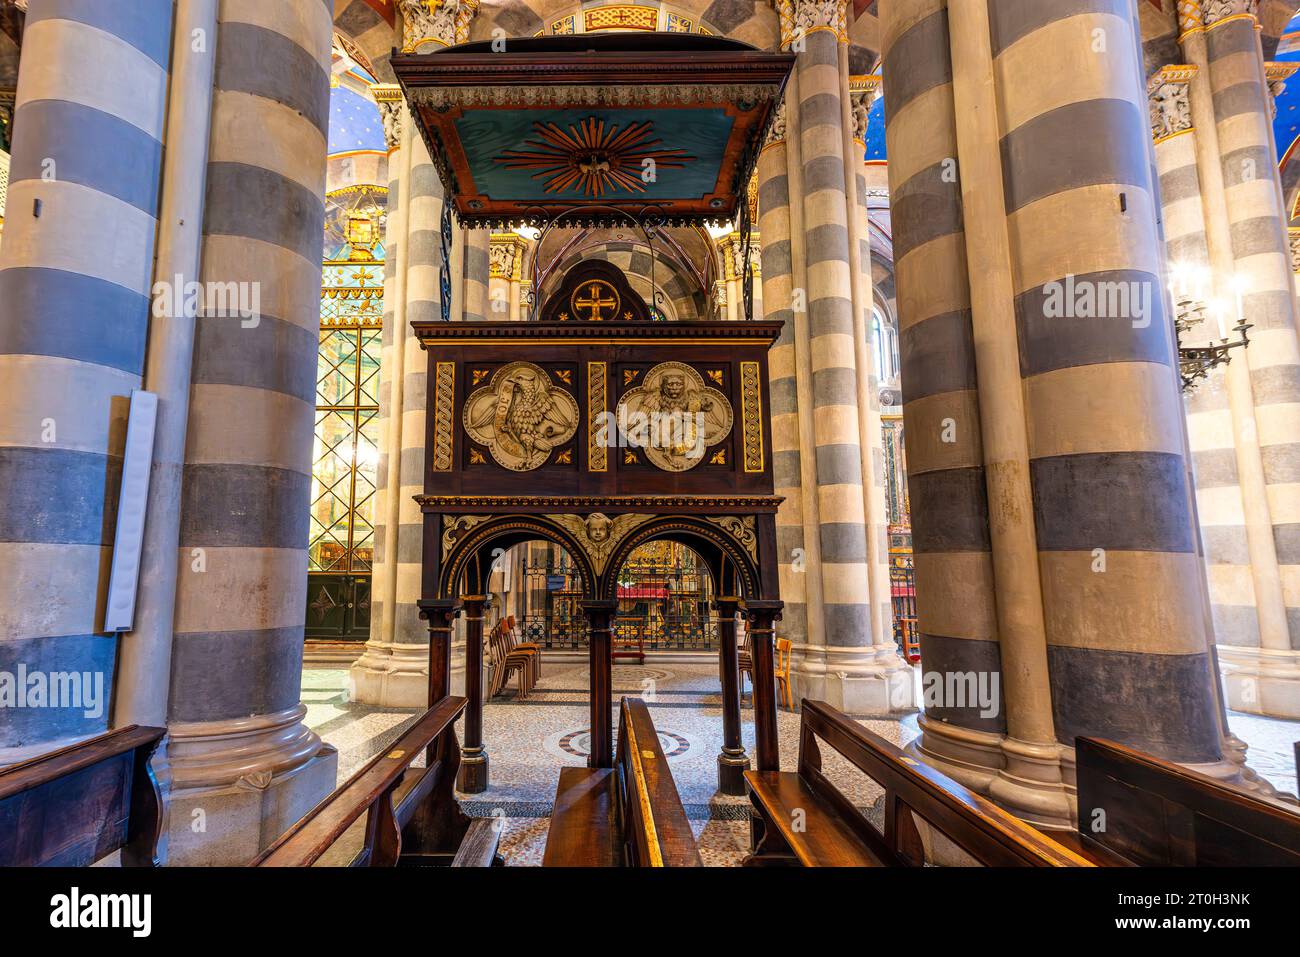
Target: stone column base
x,y
391,675
860,681
237,785
1032,781
1261,681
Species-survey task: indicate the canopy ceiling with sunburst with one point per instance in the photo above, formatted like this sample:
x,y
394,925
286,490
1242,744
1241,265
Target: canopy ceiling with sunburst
x,y
643,125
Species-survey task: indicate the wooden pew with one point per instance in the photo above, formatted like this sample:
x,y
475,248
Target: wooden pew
x,y
1136,809
77,805
629,815
412,817
801,819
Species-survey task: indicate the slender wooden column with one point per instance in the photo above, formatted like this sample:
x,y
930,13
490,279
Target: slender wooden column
x,y
473,775
600,620
732,761
439,615
761,617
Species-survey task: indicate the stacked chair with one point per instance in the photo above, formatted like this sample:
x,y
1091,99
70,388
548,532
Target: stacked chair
x,y
508,656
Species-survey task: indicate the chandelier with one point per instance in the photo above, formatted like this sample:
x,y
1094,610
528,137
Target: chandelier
x,y
1190,314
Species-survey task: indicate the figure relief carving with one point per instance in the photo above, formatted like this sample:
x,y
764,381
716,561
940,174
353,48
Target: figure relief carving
x,y
674,416
598,533
520,415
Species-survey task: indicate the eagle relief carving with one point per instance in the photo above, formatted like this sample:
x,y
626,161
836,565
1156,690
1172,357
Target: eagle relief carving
x,y
520,415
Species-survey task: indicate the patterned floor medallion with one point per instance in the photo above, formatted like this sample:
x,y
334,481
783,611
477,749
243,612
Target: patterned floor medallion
x,y
577,744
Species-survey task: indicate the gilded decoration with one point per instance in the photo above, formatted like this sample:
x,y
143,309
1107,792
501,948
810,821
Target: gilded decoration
x,y
740,528
751,415
520,415
677,414
444,399
597,398
457,528
595,300
598,534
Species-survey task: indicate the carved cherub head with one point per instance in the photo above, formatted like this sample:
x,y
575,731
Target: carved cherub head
x,y
597,527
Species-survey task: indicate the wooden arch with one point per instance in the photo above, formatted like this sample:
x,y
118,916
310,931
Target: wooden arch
x,y
503,532
719,550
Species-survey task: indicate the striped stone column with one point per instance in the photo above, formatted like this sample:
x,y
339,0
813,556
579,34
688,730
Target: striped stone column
x,y
855,102
956,608
243,764
778,284
849,677
1031,779
1257,609
393,671
1112,503
75,278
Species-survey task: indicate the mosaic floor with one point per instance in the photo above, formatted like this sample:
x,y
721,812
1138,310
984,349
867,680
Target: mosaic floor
x,y
528,741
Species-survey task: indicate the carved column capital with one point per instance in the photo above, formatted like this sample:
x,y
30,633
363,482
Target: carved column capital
x,y
1168,94
444,22
863,91
801,17
1277,75
388,96
1213,11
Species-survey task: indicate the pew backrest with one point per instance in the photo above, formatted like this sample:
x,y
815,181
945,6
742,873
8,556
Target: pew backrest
x,y
77,805
1153,813
391,793
655,829
983,830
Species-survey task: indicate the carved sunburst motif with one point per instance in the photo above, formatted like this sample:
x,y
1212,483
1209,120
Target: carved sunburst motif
x,y
592,157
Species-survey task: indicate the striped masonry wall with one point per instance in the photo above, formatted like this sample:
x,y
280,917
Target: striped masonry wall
x,y
956,609
75,278
241,589
1257,221
778,283
1111,497
477,272
842,532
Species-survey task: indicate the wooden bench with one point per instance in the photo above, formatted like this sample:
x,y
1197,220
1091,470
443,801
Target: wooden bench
x,y
802,819
1138,810
629,815
77,805
412,817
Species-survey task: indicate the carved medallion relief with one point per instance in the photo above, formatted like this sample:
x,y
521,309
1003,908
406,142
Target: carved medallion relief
x,y
675,417
521,416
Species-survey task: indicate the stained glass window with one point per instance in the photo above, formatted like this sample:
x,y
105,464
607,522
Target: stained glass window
x,y
346,454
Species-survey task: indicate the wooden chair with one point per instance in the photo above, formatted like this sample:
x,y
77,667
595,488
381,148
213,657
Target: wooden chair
x,y
504,662
745,664
783,653
532,648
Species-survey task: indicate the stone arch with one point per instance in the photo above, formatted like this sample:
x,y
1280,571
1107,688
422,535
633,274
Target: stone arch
x,y
504,531
706,539
368,35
